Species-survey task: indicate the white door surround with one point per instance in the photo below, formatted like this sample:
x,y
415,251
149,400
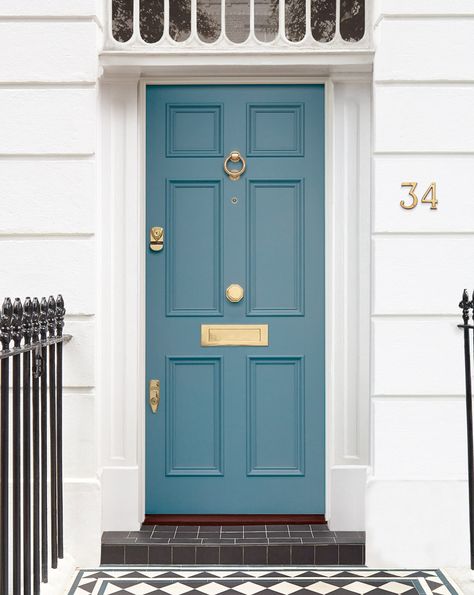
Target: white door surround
x,y
122,238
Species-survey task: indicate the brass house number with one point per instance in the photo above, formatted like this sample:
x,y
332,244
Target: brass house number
x,y
428,197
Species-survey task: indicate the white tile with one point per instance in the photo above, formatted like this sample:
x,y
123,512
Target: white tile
x,y
359,588
322,588
248,588
284,588
394,587
176,589
212,588
141,589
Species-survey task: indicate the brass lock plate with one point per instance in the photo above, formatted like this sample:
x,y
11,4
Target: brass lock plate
x,y
157,238
154,394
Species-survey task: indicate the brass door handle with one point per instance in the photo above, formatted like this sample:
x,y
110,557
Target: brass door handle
x,y
234,157
154,395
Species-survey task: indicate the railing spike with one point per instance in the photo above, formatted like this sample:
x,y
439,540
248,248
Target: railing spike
x,y
16,321
35,314
465,305
5,323
60,313
27,320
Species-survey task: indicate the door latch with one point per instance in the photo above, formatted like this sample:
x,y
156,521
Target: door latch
x,y
157,237
154,394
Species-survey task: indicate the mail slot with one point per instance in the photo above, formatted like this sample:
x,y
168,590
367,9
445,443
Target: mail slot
x,y
255,335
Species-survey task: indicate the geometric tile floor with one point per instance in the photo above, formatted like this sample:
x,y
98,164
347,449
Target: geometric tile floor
x,y
263,580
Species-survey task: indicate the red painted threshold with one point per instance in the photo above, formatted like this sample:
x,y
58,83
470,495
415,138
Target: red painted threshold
x,y
234,519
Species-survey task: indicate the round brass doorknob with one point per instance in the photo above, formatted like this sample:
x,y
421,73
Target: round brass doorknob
x,y
234,293
234,157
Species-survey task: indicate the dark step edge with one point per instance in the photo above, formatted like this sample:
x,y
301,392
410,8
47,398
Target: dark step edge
x,y
342,554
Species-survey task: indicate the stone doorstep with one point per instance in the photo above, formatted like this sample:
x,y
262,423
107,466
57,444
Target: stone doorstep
x,y
293,545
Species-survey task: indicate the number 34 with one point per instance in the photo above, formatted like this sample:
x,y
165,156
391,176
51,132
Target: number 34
x,y
414,198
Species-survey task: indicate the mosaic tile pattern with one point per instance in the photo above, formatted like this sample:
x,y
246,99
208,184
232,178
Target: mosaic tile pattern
x,y
252,544
259,581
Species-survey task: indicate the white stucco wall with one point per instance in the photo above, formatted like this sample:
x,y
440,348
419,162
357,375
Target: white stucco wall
x,y
48,97
416,508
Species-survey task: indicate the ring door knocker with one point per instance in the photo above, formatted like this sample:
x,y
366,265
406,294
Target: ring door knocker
x,y
234,157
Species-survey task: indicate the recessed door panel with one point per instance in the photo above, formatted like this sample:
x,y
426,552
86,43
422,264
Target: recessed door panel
x,y
194,242
275,247
235,299
194,391
275,410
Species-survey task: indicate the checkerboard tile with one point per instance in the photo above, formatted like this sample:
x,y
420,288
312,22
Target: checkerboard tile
x,y
194,580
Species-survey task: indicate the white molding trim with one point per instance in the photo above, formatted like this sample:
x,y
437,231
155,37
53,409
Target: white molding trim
x,y
122,273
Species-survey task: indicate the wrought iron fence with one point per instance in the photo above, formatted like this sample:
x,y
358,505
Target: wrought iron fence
x,y
31,508
467,307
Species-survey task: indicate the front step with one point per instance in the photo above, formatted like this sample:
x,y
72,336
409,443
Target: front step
x,y
254,544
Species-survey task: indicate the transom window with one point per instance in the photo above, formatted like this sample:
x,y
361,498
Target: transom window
x,y
231,22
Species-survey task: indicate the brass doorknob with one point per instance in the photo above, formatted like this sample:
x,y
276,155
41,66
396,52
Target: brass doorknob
x,y
234,293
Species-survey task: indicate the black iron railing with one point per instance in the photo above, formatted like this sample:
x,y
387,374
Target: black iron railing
x,y
31,512
467,306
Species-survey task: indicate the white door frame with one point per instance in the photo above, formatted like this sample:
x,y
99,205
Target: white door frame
x,y
122,238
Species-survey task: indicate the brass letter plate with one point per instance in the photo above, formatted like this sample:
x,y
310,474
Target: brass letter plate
x,y
219,335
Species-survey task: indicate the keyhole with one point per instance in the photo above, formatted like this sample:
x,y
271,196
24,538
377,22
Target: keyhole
x,y
234,200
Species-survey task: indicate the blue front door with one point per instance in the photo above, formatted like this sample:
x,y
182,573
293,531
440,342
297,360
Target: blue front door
x,y
240,425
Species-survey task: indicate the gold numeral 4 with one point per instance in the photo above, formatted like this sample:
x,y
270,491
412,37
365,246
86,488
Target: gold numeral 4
x,y
433,201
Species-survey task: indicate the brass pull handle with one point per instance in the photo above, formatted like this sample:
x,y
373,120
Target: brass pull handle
x,y
154,395
234,157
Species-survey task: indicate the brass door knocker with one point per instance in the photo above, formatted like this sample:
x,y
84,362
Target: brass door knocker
x,y
234,157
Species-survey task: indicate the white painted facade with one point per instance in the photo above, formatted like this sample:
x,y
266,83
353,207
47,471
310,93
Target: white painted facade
x,y
72,213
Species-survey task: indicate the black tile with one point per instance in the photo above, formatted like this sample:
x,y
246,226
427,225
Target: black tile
x,y
326,554
351,554
277,528
185,539
232,534
253,528
278,534
207,555
231,554
302,554
253,540
184,554
154,539
299,528
117,536
165,528
255,554
301,534
254,534
187,529
319,528
136,554
159,554
212,540
226,528
319,538
272,539
112,554
209,531
148,528
167,534
279,554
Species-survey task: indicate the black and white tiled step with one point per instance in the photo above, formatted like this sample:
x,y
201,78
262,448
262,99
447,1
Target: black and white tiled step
x,y
254,544
194,580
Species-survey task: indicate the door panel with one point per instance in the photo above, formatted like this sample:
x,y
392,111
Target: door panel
x,y
240,429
